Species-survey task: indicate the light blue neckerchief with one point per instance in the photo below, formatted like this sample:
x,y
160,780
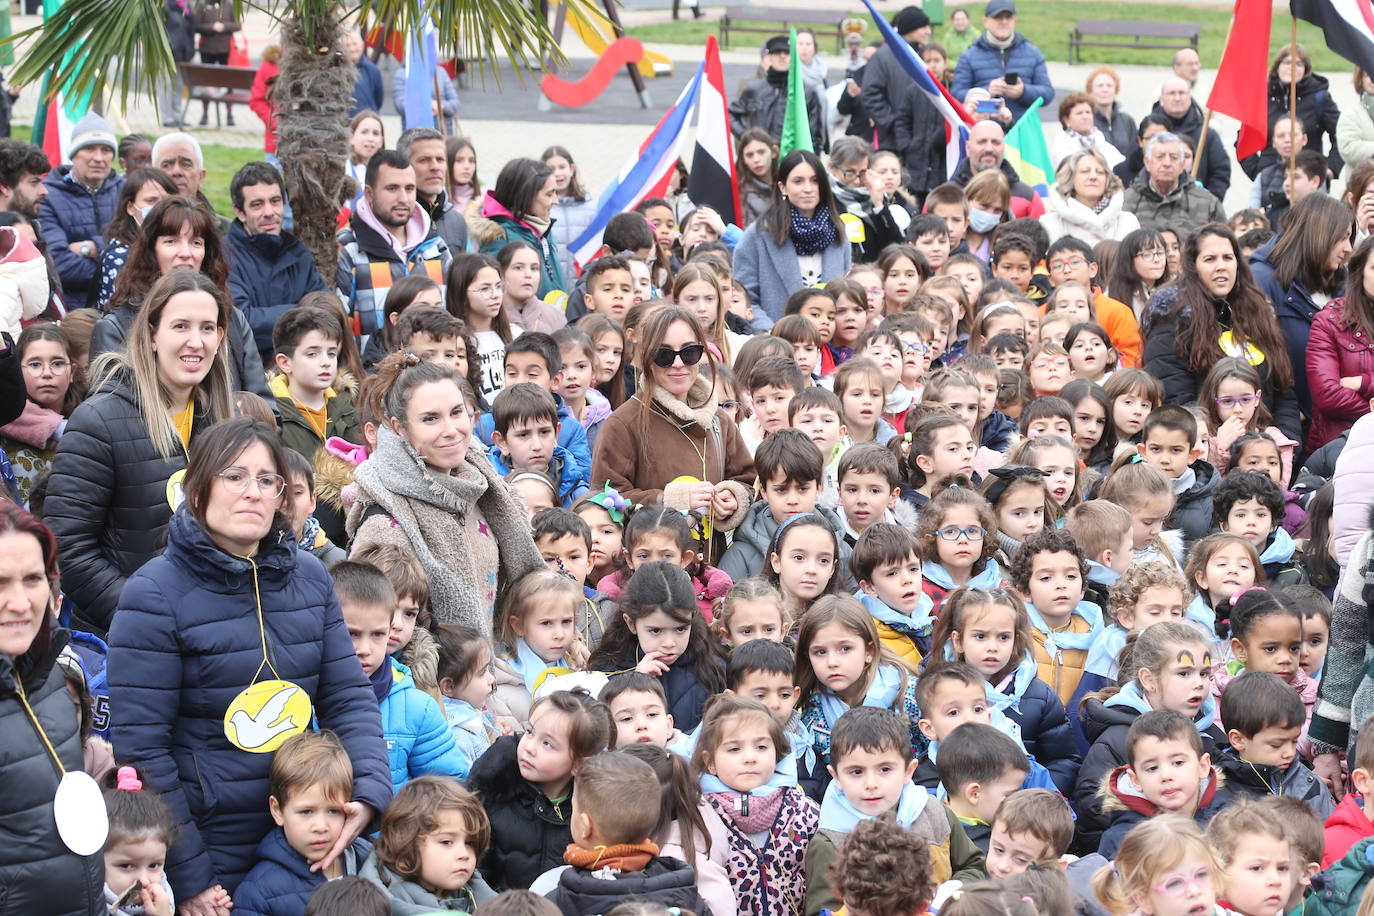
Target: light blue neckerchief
x,y
918,623
1280,550
529,665
840,815
1130,697
461,713
1200,612
1055,643
1103,656
1184,482
779,780
990,577
1102,575
1021,678
882,693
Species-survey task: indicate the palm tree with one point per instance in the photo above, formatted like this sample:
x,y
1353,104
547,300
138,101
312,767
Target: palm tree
x,y
94,44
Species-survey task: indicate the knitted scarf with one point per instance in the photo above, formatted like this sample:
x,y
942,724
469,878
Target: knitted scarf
x,y
812,234
417,498
621,857
748,812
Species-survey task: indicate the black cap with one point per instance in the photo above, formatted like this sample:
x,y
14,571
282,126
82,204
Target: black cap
x,y
909,20
778,44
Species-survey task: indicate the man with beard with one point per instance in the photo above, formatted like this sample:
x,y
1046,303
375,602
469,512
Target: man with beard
x,y
80,202
424,147
763,102
986,149
388,237
22,167
1184,118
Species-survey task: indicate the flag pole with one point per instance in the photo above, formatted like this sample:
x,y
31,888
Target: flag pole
x,y
1207,116
1293,98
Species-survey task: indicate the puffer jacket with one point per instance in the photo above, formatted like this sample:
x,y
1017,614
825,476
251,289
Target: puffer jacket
x,y
1259,780
72,213
749,548
268,276
1045,730
551,276
1296,310
1335,351
184,644
1346,826
528,831
1127,805
23,282
982,63
281,882
710,584
1192,512
1070,216
38,874
1318,113
419,741
340,418
107,500
665,881
1353,479
1215,172
1185,209
1119,129
368,266
571,217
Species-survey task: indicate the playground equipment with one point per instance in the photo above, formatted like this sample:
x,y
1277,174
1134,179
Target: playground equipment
x,y
605,37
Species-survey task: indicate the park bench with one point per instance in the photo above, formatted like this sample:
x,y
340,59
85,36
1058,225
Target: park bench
x,y
1118,33
772,20
218,84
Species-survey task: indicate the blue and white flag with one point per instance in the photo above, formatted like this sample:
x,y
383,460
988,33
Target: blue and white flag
x,y
422,61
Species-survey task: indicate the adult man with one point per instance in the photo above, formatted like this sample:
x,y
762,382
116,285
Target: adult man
x,y
1003,62
1184,118
905,120
986,149
1163,197
1187,65
424,147
763,102
80,201
269,269
367,88
179,155
22,167
389,236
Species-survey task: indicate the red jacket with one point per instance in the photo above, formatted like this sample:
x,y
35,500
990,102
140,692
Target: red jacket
x,y
260,102
1336,351
1346,826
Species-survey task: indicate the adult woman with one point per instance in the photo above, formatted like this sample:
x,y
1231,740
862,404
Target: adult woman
x,y
859,193
813,69
1216,310
1078,130
1302,269
1340,354
177,233
41,727
1316,108
215,24
521,205
989,203
673,429
425,488
1355,129
575,208
141,189
231,604
1086,200
1103,86
366,135
1138,269
756,171
464,187
108,496
799,241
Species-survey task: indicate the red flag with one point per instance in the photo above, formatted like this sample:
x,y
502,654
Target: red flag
x,y
1243,78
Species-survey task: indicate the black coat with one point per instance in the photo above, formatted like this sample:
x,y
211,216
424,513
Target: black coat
x,y
920,137
38,874
763,103
13,392
1318,113
1119,130
860,125
666,881
687,696
1192,512
1215,172
181,29
268,276
528,831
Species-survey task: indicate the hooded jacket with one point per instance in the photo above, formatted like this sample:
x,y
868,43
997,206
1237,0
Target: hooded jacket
x,y
1215,172
1185,208
529,832
23,282
1070,216
408,898
665,881
369,264
268,276
419,741
1347,825
341,417
749,548
1123,800
281,882
1318,113
183,646
983,62
1335,351
1258,780
1192,512
73,213
571,437
551,275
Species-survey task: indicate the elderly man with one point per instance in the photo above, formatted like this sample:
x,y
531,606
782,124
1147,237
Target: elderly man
x,y
179,155
1162,197
424,147
1187,65
1184,117
986,149
80,201
1003,62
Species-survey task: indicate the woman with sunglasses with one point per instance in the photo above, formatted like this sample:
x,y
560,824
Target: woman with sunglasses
x,y
225,646
671,444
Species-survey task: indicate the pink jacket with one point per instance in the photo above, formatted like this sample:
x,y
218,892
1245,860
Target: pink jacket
x,y
1336,351
710,587
1304,685
1354,482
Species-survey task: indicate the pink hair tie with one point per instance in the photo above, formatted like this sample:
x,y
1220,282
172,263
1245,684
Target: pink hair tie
x,y
126,780
1253,588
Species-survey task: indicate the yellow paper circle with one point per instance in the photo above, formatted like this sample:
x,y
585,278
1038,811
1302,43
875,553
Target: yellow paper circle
x,y
1250,353
175,493
264,715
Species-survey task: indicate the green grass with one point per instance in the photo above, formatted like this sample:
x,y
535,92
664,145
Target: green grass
x,y
221,162
1047,23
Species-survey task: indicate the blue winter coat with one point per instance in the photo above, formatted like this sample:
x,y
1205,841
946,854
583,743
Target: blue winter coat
x,y
71,213
185,642
562,468
268,276
1046,733
419,741
281,882
982,63
770,273
571,436
368,88
1295,309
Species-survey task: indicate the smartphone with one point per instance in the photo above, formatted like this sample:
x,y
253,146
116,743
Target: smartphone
x,y
1011,79
988,106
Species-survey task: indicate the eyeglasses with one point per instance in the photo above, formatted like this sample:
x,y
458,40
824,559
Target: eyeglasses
x,y
727,405
1240,400
1154,254
919,349
236,480
851,174
664,357
954,533
1071,264
490,288
1059,362
1177,885
55,366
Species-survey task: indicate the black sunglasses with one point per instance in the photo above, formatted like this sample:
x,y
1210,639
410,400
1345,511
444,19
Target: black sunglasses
x,y
664,357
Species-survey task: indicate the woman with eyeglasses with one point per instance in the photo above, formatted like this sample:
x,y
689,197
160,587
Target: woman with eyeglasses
x,y
671,444
1138,270
860,196
1340,353
1086,200
1216,310
116,475
228,644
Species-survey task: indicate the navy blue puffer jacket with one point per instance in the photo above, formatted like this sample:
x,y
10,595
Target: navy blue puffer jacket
x,y
72,213
281,882
185,642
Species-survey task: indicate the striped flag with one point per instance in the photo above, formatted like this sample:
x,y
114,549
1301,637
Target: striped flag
x,y
1347,24
711,182
57,112
422,60
957,120
1027,152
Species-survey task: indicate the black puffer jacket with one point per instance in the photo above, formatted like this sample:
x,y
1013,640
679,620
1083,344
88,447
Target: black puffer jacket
x,y
1215,172
38,874
1316,110
528,831
666,881
107,500
920,137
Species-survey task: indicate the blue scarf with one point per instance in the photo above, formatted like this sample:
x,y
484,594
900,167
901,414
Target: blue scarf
x,y
813,234
779,780
1130,697
1055,643
1026,672
882,693
461,713
1102,657
1280,549
529,665
1102,575
918,623
840,815
1200,612
990,577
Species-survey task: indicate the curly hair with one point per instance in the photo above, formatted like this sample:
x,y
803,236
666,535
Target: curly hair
x,y
883,868
1141,577
1051,540
1241,485
414,813
958,491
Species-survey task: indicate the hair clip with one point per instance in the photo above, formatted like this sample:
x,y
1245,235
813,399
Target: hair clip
x,y
906,437
616,506
1136,459
126,780
1252,588
410,361
1006,476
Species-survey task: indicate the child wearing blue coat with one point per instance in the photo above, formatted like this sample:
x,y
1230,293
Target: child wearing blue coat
x,y
466,683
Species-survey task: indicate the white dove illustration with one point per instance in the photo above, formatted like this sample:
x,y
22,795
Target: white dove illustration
x,y
255,731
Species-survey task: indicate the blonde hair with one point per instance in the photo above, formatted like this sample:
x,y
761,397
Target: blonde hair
x,y
1242,818
533,591
1125,594
1152,848
752,589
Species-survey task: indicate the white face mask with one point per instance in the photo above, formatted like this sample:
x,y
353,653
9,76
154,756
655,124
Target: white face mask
x,y
143,213
982,221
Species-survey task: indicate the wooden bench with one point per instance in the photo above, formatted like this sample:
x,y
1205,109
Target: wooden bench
x,y
773,20
1118,33
218,84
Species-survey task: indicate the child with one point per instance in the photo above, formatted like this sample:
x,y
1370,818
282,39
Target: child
x,y
611,856
887,565
1073,299
958,535
903,271
604,512
1248,503
1054,328
949,202
859,386
1145,594
816,412
312,780
608,350
350,896
524,785
1143,490
766,823
300,503
1231,397
1259,452
466,682
883,870
806,346
535,489
1013,259
851,316
1350,821
942,448
1103,532
520,272
1167,440
988,630
610,288
1220,567
524,438
916,335
538,639
1091,357
885,348
1093,434
1047,366
802,563
943,321
817,307
434,335
587,405
869,481
659,633
1316,624
1163,866
661,533
771,383
994,429
872,770
1133,394
410,640
1055,455
959,391
929,235
1031,828
639,711
763,670
1008,351
473,293
141,829
433,835
1257,875
751,609
978,768
565,543
306,344
1049,572
1303,830
1264,717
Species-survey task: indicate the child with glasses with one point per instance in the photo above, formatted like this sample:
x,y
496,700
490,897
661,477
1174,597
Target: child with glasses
x,y
1164,864
958,535
1230,394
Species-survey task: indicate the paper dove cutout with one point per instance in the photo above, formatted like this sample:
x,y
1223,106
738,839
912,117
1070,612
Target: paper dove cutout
x,y
286,712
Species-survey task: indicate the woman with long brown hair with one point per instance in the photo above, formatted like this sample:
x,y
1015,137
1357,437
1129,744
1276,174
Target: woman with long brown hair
x,y
1216,310
1340,354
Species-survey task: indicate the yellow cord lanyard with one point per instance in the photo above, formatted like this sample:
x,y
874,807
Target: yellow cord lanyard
x,y
43,735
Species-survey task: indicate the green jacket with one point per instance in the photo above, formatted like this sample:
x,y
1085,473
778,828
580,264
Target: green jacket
x,y
341,419
550,266
1337,891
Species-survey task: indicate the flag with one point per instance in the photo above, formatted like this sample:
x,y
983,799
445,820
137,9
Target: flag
x,y
57,111
1027,152
957,120
646,173
1242,86
796,126
711,183
1347,24
422,60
